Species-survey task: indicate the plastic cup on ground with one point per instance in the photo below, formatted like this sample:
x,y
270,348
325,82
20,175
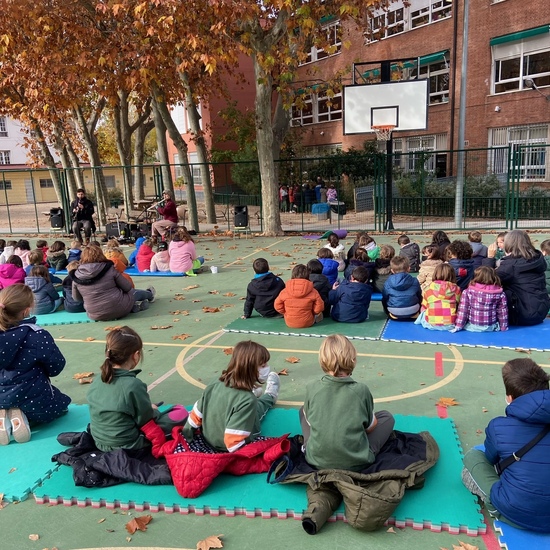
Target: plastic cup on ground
x,y
214,269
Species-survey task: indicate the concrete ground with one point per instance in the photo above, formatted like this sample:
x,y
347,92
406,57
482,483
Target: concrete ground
x,y
401,377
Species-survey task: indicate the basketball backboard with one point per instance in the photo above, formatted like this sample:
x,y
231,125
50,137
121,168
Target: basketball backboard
x,y
403,104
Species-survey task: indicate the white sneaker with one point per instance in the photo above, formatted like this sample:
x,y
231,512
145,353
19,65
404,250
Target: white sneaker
x,y
19,425
258,391
153,291
5,427
273,384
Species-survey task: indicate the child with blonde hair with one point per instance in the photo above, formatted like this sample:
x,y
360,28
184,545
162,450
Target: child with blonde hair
x,y
75,251
440,300
369,244
382,267
9,250
30,358
483,306
231,409
427,267
339,425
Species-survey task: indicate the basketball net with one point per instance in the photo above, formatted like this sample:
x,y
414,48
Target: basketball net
x,y
383,132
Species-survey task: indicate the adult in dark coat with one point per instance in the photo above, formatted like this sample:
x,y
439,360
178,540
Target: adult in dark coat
x,y
82,211
106,293
522,273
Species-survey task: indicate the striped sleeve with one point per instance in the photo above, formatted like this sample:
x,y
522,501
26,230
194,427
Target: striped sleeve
x,y
195,417
234,439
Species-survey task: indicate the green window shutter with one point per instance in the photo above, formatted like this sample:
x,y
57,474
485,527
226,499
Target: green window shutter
x,y
517,36
432,58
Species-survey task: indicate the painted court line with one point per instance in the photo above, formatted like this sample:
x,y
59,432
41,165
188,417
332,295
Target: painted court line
x,y
255,252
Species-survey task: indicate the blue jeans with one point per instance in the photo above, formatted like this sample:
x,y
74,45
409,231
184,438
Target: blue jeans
x,y
140,295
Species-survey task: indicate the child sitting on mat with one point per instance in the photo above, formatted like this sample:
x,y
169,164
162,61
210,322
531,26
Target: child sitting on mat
x,y
330,265
339,425
337,249
350,300
545,249
459,254
119,402
299,302
440,300
145,255
183,254
320,283
262,291
12,272
401,295
161,260
69,303
518,494
483,306
30,358
231,408
75,251
432,260
56,256
46,297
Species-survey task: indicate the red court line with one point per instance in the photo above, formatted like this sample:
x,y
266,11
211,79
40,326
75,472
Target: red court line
x,y
441,411
438,363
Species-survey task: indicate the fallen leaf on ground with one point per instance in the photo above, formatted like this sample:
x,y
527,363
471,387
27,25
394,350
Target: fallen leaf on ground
x,y
179,298
207,309
484,410
213,292
464,546
196,300
230,294
283,372
213,541
181,337
109,329
228,351
79,375
85,380
101,520
447,402
390,530
34,537
163,327
1,501
521,350
89,339
292,360
191,287
179,312
12,470
136,523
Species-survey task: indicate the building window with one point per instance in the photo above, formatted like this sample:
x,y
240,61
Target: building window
x,y
419,153
5,157
46,183
195,168
3,127
110,182
514,61
438,76
5,184
316,108
334,40
178,172
402,16
529,151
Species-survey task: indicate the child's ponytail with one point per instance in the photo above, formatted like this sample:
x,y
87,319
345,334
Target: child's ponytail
x,y
121,344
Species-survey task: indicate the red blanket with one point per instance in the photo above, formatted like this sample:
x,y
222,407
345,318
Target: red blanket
x,y
193,472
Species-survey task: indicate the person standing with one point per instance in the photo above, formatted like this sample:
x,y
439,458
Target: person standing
x,y
82,211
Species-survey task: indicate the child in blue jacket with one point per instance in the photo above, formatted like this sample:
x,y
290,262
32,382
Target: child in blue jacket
x,y
401,295
330,265
350,300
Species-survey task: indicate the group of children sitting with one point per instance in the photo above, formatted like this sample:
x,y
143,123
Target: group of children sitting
x,y
452,291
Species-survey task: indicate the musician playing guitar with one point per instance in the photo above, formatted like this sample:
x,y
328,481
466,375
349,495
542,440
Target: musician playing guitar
x,y
82,210
167,209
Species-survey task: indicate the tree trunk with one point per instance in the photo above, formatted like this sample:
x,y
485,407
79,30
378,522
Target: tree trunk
x,y
202,153
60,146
87,133
181,146
162,147
281,125
139,154
264,141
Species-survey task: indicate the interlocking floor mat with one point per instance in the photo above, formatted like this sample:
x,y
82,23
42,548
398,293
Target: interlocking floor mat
x,y
24,465
62,317
133,272
518,539
535,338
443,503
368,330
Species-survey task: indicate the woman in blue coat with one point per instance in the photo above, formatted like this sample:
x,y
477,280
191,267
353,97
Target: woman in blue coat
x,y
29,357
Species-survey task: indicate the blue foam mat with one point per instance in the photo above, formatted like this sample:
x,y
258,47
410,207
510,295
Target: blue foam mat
x,y
62,317
133,272
23,466
536,337
519,539
456,509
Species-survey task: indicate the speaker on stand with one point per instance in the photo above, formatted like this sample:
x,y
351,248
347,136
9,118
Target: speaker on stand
x,y
240,216
57,218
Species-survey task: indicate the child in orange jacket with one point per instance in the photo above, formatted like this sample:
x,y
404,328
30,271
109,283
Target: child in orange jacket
x,y
299,302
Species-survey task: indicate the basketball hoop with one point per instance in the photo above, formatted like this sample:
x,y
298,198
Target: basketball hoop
x,y
383,132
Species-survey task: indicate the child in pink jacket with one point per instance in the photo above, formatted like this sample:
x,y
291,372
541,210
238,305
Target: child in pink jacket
x,y
183,255
161,260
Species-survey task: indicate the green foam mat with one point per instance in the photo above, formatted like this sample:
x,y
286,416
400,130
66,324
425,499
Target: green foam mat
x,y
368,330
23,466
62,317
443,503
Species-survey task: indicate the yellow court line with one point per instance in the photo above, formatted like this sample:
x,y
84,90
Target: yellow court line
x,y
256,252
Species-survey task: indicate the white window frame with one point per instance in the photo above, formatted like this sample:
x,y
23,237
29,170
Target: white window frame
x,y
430,12
5,157
3,127
518,53
314,114
334,39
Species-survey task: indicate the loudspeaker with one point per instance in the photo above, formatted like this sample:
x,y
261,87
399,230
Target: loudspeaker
x,y
140,230
241,216
57,218
112,229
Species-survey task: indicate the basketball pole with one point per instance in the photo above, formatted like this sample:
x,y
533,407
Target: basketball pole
x,y
389,185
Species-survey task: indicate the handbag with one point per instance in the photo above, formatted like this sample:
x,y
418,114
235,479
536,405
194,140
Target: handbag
x,y
516,457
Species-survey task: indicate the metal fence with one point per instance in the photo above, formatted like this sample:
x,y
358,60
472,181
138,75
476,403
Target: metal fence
x,y
499,188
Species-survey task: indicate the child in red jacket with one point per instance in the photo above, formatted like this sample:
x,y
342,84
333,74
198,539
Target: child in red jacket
x,y
145,255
